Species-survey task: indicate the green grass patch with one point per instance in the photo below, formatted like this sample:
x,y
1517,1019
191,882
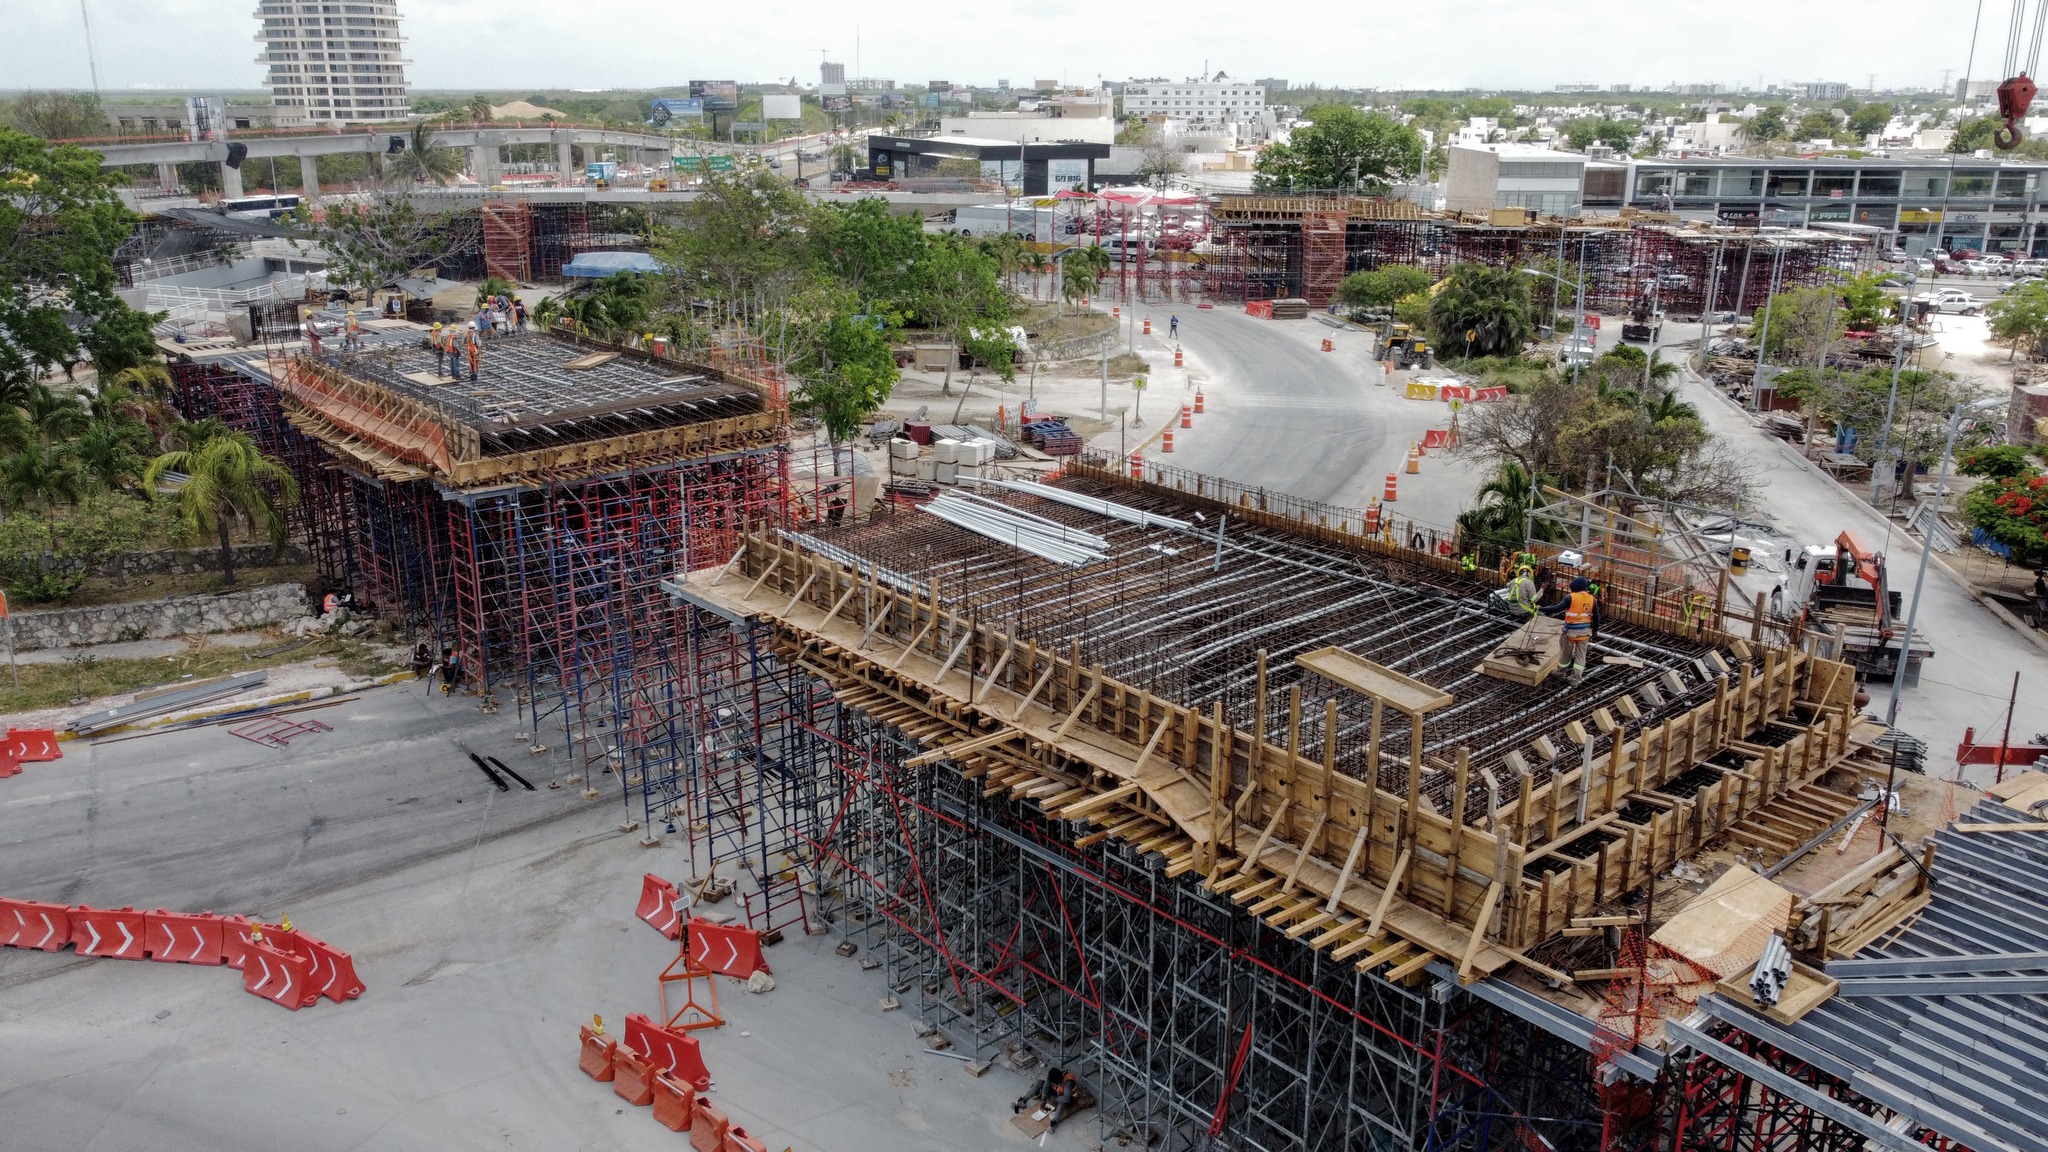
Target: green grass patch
x,y
52,685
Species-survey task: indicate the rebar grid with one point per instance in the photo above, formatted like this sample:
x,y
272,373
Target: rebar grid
x,y
1185,615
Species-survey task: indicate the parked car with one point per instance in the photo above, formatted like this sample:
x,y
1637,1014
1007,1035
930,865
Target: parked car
x,y
1951,300
1926,266
1896,256
1993,264
2028,266
2016,281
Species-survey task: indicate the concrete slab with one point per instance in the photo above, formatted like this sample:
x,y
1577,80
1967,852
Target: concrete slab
x,y
486,925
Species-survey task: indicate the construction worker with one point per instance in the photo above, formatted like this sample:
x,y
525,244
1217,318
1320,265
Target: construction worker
x,y
313,336
475,349
1580,611
351,336
1173,327
1522,593
440,347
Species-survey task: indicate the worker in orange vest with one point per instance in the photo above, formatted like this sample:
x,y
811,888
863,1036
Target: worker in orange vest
x,y
475,350
352,335
1580,610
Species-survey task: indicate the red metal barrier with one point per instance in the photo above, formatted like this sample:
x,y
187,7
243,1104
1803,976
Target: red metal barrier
x,y
631,1078
674,1053
674,1102
596,1057
184,937
278,976
729,950
658,906
102,932
33,924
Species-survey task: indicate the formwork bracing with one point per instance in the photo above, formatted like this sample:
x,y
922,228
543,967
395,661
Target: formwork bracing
x,y
1225,820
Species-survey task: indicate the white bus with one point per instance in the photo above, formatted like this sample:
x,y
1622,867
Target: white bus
x,y
260,207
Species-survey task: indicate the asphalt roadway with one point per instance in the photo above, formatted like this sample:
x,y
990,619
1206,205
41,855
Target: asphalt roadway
x,y
1281,413
487,926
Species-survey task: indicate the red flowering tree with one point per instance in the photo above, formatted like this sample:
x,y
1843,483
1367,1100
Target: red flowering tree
x,y
2013,511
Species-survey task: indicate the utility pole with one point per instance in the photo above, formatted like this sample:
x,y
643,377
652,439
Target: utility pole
x,y
92,59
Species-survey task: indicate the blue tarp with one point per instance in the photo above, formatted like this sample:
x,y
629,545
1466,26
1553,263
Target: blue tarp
x,y
598,265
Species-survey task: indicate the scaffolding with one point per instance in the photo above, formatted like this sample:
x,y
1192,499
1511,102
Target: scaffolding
x,y
508,240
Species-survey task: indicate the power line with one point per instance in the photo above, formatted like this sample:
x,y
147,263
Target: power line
x,y
91,56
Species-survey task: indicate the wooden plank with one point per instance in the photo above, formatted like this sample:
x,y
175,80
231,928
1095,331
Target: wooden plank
x,y
1377,681
1098,802
1259,849
1379,914
1408,968
1478,936
2035,826
1050,667
1344,877
954,751
1089,696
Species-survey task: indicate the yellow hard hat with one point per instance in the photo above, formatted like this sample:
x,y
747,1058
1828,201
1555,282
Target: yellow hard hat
x,y
437,326
1523,571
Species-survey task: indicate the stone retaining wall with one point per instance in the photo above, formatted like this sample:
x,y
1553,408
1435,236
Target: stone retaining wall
x,y
157,619
185,561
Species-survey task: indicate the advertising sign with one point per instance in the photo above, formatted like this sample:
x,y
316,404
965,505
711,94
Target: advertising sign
x,y
717,95
782,108
1828,214
665,110
1881,215
839,103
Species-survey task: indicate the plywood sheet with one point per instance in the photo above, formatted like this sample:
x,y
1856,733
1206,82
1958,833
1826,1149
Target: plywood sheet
x,y
1724,929
1528,656
1382,683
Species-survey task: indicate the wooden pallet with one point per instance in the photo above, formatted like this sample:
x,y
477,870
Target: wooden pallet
x,y
1528,656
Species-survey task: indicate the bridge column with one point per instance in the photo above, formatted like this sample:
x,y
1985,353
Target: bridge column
x,y
309,178
167,176
1037,177
484,158
565,157
230,181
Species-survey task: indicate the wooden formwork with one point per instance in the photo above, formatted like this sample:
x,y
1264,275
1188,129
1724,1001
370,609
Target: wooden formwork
x,y
1373,875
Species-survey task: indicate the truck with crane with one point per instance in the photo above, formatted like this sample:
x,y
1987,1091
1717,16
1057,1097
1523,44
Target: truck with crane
x,y
1843,590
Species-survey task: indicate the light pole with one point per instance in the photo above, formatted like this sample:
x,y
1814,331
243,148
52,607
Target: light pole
x,y
1955,420
1578,311
1884,434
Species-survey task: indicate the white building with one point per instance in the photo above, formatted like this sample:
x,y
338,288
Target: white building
x,y
333,62
1480,178
1218,101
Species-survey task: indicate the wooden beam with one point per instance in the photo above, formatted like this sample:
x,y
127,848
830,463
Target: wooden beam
x,y
1051,666
989,682
1259,849
742,551
773,564
869,635
1372,927
2035,826
1478,936
1344,877
966,638
915,640
1408,968
800,590
851,588
953,751
1301,857
1087,698
1098,802
1138,767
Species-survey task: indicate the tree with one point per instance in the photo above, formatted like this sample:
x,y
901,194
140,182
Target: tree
x,y
1158,163
2019,319
847,371
422,161
1974,134
1815,125
1337,146
957,288
1996,461
59,115
227,479
103,527
1869,119
868,249
2012,510
1585,131
1802,323
1768,124
1498,521
740,243
1491,304
1380,287
60,222
372,243
478,109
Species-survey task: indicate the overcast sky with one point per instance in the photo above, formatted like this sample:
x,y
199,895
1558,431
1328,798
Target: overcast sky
x,y
518,44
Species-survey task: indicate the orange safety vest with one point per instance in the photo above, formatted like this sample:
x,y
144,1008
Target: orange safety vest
x,y
1579,612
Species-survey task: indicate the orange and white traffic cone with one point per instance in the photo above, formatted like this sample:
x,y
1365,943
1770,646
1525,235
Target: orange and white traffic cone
x,y
1137,465
1187,416
1166,441
1198,401
1388,496
1176,356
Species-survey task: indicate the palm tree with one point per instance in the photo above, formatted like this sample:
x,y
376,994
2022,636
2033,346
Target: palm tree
x,y
422,161
55,417
227,479
29,478
1498,521
479,108
1492,304
1667,406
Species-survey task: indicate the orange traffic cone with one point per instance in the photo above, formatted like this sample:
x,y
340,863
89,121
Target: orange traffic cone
x,y
1187,416
1166,441
1198,401
1388,497
1137,465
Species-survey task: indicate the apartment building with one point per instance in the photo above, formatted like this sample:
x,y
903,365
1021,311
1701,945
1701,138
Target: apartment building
x,y
1482,177
1217,101
333,61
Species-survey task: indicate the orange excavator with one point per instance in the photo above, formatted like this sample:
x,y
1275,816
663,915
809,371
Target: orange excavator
x,y
1846,587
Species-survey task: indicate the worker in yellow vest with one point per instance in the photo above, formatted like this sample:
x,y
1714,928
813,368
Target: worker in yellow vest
x,y
440,348
475,350
1580,610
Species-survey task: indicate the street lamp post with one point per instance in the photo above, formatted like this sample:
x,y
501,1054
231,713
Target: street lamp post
x,y
1884,434
1955,420
1578,311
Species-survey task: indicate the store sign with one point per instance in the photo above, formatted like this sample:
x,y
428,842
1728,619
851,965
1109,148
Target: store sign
x,y
1883,216
1829,214
1738,215
1919,215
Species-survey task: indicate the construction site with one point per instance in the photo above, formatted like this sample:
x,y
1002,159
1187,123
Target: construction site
x,y
1272,828
1278,247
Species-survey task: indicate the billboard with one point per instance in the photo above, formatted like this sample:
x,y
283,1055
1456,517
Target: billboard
x,y
717,95
782,108
663,111
839,103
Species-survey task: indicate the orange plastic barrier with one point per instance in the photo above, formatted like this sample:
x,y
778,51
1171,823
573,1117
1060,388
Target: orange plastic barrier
x,y
184,937
1198,401
27,745
1263,309
1436,438
737,1140
1176,358
674,1102
674,1053
631,1077
1148,326
101,932
234,939
278,976
658,905
33,924
726,949
1388,496
708,1127
596,1058
1328,345
1166,441
332,972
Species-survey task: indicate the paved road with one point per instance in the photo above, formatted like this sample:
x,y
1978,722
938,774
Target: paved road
x,y
486,925
1285,415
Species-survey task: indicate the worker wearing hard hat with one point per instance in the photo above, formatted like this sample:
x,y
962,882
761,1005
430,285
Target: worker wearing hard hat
x,y
440,351
351,334
1522,592
1580,610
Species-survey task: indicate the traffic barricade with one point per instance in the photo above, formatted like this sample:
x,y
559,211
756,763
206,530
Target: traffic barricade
x,y
630,1077
34,924
658,905
1495,393
676,1053
1436,438
104,932
737,1140
596,1056
184,937
708,1126
332,972
278,976
27,745
674,1102
1420,391
726,949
